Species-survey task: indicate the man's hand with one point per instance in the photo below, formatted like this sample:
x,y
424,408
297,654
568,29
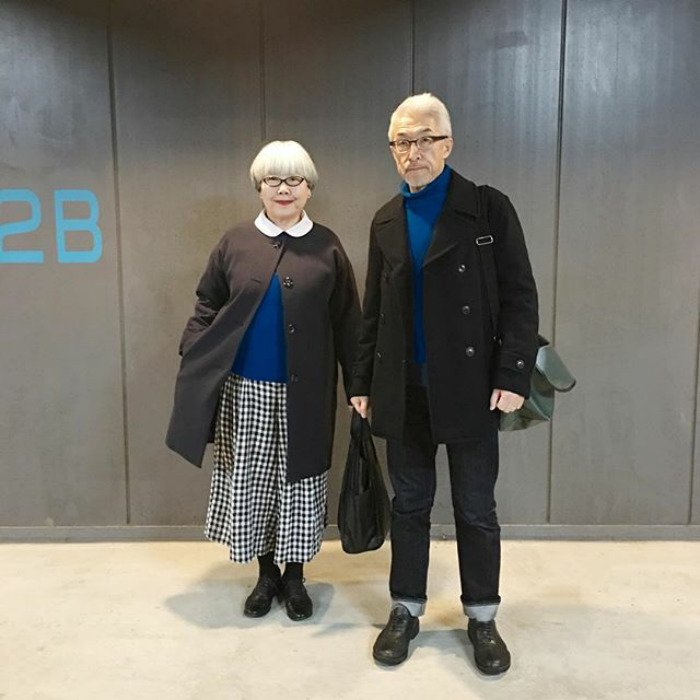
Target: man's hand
x,y
360,404
505,401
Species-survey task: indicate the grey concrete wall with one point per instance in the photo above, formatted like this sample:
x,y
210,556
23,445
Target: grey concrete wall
x,y
583,112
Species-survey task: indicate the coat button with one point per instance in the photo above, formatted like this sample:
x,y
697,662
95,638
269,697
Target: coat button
x,y
276,244
466,310
470,351
382,317
293,378
288,282
520,364
387,276
462,268
379,355
291,328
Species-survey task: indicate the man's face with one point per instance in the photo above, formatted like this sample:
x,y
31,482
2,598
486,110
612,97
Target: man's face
x,y
419,167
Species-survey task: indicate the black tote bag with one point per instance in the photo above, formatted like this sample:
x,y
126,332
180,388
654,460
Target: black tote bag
x,y
363,511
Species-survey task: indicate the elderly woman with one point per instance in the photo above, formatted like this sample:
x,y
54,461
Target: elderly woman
x,y
277,309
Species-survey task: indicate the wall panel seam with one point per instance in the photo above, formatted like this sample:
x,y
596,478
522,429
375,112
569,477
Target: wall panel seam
x,y
694,421
557,216
120,268
413,46
263,87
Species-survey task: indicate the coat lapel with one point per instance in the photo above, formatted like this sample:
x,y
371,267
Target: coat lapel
x,y
391,233
461,207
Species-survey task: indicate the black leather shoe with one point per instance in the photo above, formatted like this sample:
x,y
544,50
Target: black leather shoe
x,y
491,654
258,603
391,647
296,600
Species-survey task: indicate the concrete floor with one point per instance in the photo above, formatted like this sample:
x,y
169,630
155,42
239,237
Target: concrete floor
x,y
583,620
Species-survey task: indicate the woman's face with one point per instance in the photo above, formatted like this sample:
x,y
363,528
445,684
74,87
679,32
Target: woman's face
x,y
284,203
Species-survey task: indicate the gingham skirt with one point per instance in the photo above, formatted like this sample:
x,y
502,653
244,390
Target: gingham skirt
x,y
252,508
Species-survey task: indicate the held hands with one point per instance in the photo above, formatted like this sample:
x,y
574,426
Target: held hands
x,y
505,401
360,404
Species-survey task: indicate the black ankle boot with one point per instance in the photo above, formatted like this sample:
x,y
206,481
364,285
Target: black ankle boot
x,y
391,647
296,600
491,654
258,603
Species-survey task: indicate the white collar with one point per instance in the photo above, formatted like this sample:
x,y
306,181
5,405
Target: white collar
x,y
269,228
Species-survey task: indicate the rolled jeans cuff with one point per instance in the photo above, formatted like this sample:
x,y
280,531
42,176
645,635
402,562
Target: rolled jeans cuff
x,y
415,607
484,612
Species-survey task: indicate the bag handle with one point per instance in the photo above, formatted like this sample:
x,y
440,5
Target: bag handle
x,y
358,426
488,263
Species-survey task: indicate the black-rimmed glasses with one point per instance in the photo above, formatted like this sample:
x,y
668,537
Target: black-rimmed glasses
x,y
423,143
291,181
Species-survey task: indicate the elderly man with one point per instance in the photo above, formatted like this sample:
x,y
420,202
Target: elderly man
x,y
448,340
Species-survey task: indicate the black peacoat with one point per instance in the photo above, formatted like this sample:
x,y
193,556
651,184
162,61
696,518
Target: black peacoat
x,y
321,315
466,356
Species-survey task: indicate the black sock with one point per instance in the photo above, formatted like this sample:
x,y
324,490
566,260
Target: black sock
x,y
294,570
267,566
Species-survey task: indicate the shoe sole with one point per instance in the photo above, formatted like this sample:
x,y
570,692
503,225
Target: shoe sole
x,y
295,618
395,661
490,671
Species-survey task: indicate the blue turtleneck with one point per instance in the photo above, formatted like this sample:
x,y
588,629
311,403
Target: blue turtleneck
x,y
422,211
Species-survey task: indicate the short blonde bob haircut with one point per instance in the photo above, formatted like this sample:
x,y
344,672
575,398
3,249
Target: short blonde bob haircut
x,y
423,104
283,158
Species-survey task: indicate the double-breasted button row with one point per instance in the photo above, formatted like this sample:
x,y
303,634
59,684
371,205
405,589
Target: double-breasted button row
x,y
288,282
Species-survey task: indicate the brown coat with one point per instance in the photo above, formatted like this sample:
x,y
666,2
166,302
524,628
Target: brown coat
x,y
321,315
466,357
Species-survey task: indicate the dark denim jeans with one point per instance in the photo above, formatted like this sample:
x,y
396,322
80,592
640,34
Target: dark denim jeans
x,y
473,471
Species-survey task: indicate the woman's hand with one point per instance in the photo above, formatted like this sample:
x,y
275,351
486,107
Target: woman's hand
x,y
360,404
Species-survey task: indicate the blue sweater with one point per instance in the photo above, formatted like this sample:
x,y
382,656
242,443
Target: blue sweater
x,y
422,211
262,354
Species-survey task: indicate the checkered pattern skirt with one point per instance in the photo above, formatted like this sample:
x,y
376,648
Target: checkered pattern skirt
x,y
252,508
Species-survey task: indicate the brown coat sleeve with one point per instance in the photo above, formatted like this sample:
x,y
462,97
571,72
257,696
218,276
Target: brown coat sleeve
x,y
518,309
345,316
364,360
212,293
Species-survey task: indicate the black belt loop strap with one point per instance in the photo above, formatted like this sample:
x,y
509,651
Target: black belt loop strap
x,y
484,245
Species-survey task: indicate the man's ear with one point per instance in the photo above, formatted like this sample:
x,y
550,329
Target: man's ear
x,y
448,146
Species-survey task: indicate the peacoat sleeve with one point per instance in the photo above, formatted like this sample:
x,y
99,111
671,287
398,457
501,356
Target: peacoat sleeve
x,y
212,293
364,360
345,316
518,310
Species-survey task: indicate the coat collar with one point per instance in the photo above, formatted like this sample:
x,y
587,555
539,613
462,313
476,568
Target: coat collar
x,y
461,203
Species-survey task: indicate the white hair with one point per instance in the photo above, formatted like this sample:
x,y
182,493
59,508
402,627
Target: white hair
x,y
283,158
424,104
